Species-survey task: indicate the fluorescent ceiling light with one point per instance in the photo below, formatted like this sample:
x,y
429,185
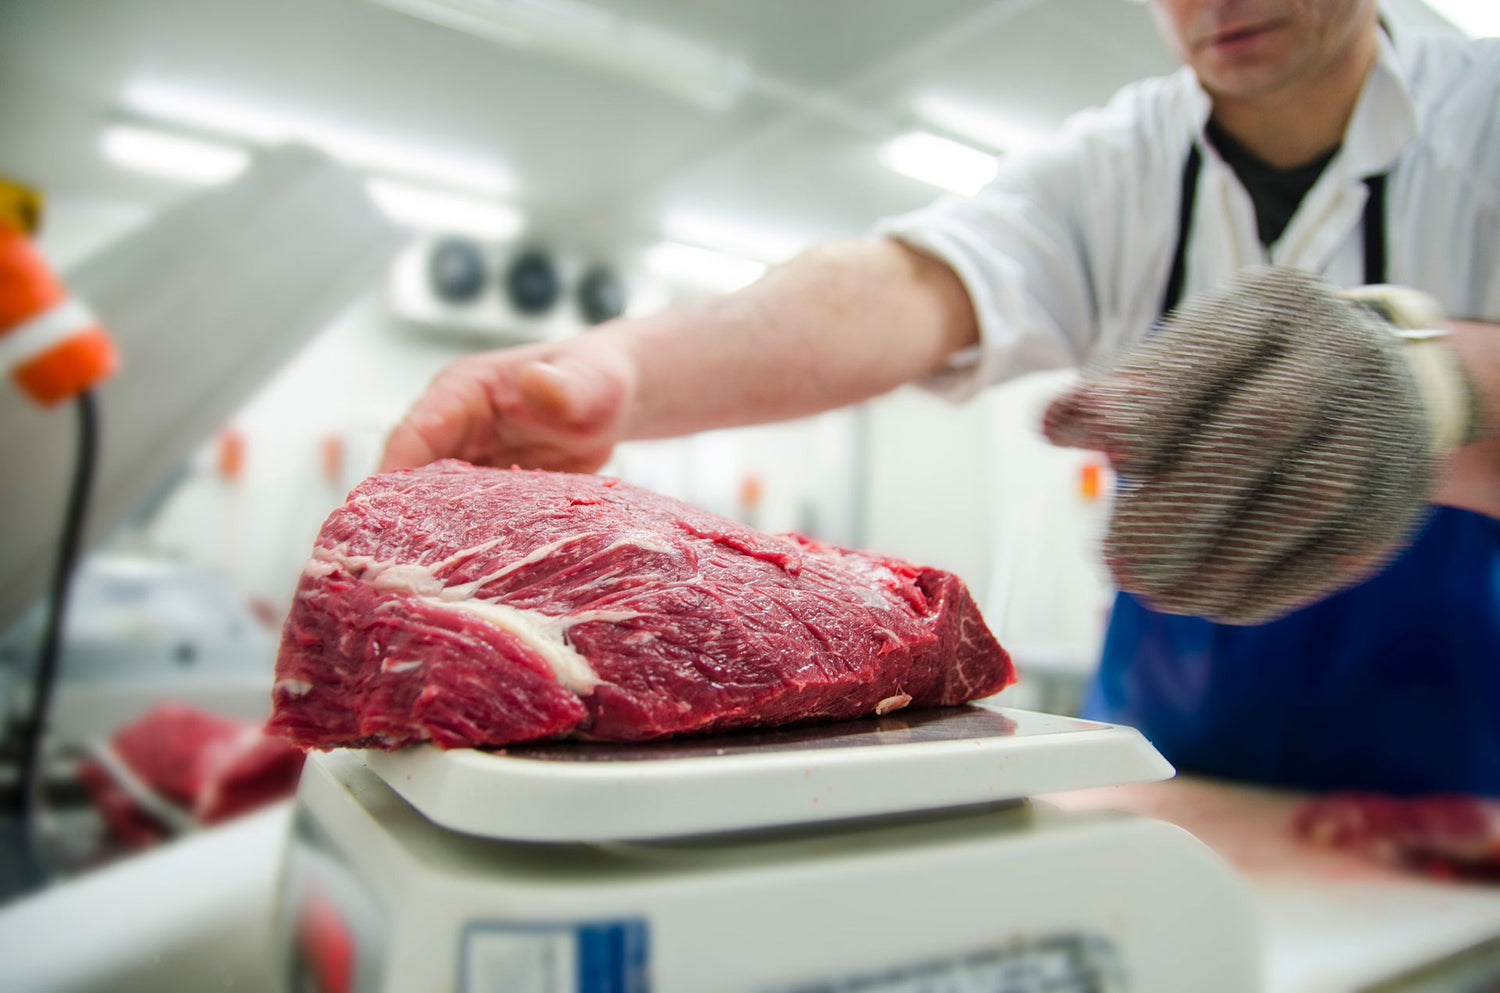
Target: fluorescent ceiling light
x,y
191,107
731,236
702,268
983,127
1477,18
172,156
384,155
432,210
596,37
938,161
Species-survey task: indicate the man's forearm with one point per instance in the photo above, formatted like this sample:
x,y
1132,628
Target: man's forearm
x,y
841,323
1472,478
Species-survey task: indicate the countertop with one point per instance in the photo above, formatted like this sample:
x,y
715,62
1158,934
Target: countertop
x,y
1336,921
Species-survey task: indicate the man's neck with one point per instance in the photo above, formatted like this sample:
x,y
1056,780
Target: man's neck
x,y
1305,119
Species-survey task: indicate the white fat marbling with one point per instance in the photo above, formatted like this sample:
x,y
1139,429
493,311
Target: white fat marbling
x,y
405,578
293,687
464,554
644,540
465,590
396,665
318,567
544,634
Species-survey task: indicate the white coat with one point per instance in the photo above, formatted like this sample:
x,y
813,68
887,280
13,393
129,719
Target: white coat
x,y
1066,253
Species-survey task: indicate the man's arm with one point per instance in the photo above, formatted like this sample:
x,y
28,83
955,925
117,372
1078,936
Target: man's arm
x,y
1472,478
838,324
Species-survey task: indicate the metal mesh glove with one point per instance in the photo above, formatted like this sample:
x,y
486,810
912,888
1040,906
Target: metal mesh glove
x,y
1274,444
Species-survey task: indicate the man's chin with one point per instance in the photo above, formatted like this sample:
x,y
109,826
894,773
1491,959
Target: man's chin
x,y
1242,82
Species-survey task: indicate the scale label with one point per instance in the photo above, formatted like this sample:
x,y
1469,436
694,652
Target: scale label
x,y
589,957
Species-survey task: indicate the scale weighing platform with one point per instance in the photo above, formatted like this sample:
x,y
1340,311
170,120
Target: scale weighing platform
x,y
896,854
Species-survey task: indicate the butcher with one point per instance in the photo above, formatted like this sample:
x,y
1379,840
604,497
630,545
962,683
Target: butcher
x,y
1279,271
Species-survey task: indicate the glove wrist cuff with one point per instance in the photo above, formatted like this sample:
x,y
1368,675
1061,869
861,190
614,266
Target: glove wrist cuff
x,y
1417,321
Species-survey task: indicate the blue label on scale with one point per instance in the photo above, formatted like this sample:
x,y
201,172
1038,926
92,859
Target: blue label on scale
x,y
584,957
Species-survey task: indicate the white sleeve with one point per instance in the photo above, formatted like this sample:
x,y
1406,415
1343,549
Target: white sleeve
x,y
1044,249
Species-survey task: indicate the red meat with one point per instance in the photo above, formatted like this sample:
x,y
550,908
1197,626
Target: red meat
x,y
471,606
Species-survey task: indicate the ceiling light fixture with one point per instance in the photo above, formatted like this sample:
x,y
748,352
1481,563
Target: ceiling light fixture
x,y
172,156
190,107
433,210
702,268
981,126
731,236
939,161
592,36
1476,18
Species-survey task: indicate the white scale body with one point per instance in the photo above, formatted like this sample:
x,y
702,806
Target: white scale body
x,y
899,854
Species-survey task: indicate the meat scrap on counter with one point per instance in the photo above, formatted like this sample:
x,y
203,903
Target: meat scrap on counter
x,y
1444,835
480,607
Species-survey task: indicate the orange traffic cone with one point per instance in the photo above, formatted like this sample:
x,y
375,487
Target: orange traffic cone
x,y
50,344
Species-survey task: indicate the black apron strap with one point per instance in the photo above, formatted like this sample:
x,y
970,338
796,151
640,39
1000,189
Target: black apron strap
x,y
1373,223
1173,295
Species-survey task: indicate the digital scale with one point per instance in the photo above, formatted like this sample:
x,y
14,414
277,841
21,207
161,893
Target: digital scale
x,y
897,854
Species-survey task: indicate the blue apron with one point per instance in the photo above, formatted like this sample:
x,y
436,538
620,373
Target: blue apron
x,y
1391,685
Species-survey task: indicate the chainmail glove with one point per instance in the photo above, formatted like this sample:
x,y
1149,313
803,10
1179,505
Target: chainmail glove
x,y
1275,442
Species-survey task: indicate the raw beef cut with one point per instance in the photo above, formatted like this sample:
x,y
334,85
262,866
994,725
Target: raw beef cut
x,y
178,766
1443,834
471,606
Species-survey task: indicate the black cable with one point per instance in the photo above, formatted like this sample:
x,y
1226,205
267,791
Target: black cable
x,y
32,774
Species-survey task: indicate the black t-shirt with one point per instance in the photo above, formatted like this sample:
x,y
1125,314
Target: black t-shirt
x,y
1275,192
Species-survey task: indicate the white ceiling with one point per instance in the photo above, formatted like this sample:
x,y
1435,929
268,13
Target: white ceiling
x,y
591,156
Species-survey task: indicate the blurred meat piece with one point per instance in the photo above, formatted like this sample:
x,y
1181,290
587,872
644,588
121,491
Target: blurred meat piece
x,y
179,766
1445,835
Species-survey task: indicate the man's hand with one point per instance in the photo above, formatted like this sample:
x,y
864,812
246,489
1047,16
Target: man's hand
x,y
552,406
1273,446
840,323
